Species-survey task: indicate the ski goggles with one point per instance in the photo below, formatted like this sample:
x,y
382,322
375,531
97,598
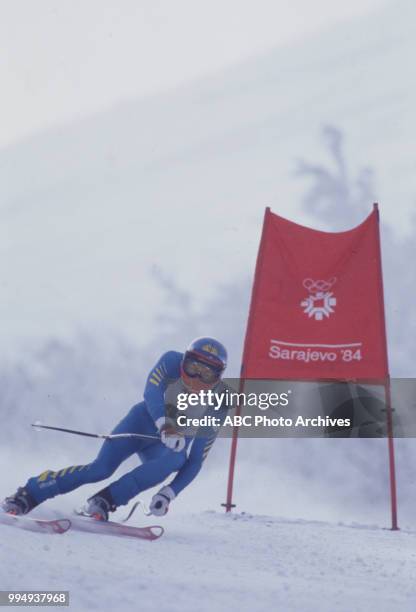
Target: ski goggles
x,y
207,373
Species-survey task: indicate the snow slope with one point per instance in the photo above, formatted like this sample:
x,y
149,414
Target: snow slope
x,y
92,209
143,223
216,562
90,215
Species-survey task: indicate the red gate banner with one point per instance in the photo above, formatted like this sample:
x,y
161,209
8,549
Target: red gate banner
x,y
317,306
317,312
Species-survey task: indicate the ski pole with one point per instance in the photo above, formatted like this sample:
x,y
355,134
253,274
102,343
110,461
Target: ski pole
x,y
94,435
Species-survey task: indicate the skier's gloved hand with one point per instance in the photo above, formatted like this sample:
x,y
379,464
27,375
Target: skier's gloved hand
x,y
170,436
160,502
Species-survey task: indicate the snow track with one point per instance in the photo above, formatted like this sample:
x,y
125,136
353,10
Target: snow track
x,y
213,562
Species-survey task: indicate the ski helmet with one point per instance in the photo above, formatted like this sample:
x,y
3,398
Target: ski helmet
x,y
203,363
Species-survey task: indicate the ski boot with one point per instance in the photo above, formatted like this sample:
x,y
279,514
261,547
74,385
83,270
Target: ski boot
x,y
100,505
19,503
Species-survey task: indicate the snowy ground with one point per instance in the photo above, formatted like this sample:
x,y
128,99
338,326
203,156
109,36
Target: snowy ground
x,y
212,561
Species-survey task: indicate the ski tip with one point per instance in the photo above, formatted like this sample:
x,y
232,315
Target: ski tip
x,y
35,524
156,531
61,525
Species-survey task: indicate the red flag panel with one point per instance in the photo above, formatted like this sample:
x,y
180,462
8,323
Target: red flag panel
x,y
317,306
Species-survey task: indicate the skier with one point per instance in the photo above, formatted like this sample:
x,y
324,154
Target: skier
x,y
200,368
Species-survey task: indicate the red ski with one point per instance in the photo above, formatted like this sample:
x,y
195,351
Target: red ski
x,y
34,524
91,525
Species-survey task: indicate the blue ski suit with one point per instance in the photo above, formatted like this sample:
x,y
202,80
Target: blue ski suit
x,y
157,461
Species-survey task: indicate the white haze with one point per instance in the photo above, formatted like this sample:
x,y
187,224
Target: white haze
x,y
62,60
136,229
